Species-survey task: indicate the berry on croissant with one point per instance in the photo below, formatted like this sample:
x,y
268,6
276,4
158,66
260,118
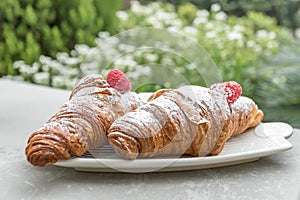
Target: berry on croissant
x,y
81,123
191,120
118,80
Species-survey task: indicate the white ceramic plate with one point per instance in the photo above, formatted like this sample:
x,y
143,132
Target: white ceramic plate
x,y
263,140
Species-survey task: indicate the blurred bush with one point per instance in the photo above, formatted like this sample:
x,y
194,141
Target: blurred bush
x,y
285,11
278,90
30,28
252,50
238,45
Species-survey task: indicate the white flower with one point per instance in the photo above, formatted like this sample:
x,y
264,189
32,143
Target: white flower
x,y
81,49
69,72
165,16
56,67
126,48
191,31
122,15
250,43
147,10
126,60
45,68
154,6
210,35
209,25
139,9
45,59
16,78
234,35
103,34
221,16
62,57
138,72
155,22
17,64
26,69
167,61
262,34
173,29
72,61
215,7
176,22
202,13
238,28
41,78
135,7
199,20
151,57
272,35
89,68
58,81
36,66
272,44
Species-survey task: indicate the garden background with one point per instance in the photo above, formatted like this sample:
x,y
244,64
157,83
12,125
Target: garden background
x,y
253,42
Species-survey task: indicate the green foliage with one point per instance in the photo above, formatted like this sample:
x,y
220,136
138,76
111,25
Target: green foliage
x,y
277,88
285,11
238,45
187,12
251,49
41,27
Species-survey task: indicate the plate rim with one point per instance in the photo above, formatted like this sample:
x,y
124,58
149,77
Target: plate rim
x,y
98,164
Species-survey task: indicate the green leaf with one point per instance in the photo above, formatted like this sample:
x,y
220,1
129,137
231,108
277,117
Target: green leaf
x,y
30,16
32,49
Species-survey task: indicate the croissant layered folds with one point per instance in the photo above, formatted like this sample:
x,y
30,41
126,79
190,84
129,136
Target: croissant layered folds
x,y
191,120
81,123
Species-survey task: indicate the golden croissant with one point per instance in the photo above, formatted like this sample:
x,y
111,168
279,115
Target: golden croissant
x,y
191,120
81,123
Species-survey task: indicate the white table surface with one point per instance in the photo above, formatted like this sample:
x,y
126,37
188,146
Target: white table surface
x,y
25,107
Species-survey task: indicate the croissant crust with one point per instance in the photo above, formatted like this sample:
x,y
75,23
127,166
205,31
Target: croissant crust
x,y
81,123
191,120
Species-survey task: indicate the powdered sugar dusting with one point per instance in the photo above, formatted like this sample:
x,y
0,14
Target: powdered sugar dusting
x,y
206,98
243,104
215,110
185,109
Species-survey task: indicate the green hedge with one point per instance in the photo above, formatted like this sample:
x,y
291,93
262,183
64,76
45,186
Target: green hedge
x,y
238,46
30,28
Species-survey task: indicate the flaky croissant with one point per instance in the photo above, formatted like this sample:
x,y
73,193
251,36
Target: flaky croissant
x,y
190,120
81,123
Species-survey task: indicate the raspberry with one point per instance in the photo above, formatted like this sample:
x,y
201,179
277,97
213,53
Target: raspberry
x,y
118,80
232,90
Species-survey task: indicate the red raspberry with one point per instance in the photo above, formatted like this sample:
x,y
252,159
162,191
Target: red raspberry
x,y
232,90
118,80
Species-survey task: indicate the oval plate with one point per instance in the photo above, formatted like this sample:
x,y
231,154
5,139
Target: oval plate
x,y
263,140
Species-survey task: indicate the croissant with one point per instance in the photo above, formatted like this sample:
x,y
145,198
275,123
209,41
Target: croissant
x,y
191,120
81,123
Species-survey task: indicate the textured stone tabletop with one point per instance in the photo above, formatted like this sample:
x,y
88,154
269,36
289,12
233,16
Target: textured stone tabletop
x,y
25,107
